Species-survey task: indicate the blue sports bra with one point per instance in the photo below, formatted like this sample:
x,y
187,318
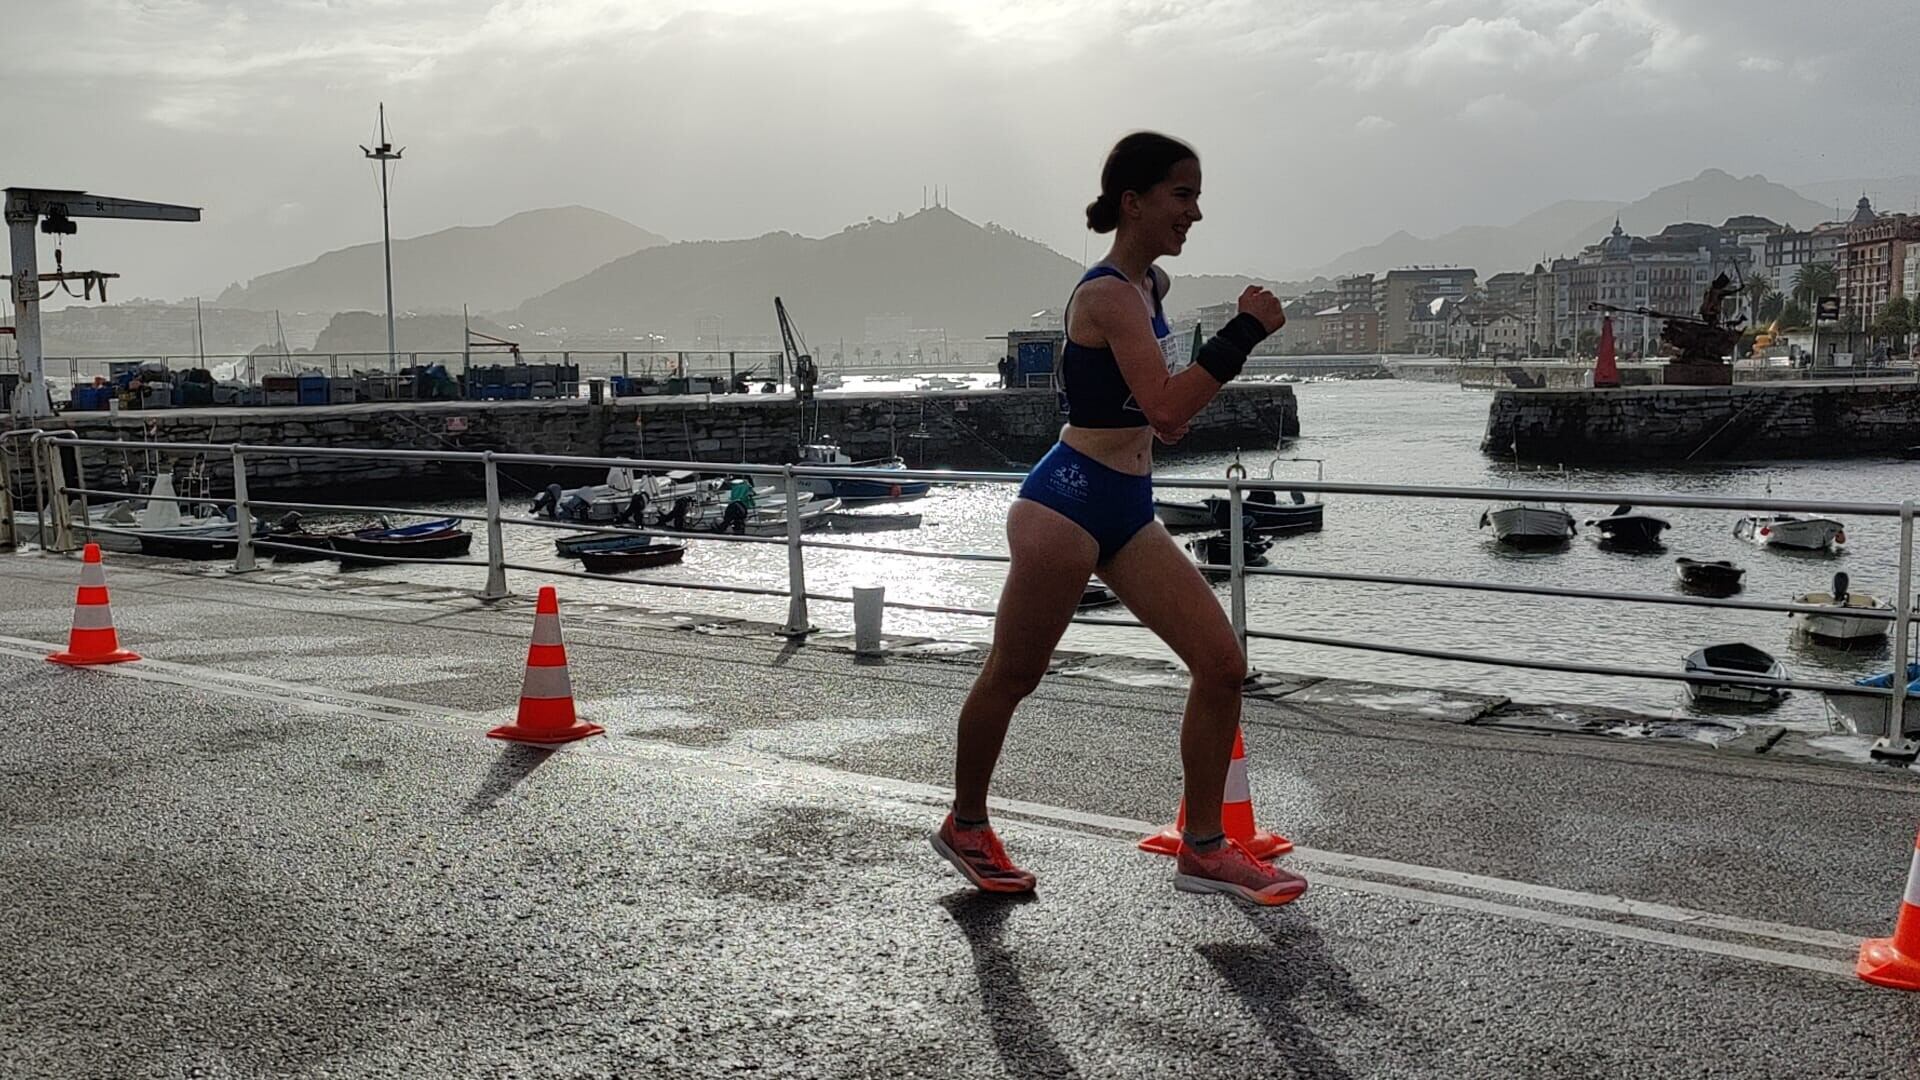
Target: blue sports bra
x,y
1096,392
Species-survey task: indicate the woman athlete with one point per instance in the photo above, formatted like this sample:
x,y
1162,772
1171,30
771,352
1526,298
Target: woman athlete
x,y
1087,508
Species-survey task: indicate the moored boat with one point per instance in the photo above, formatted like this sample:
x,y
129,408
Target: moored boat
x,y
1852,617
1866,714
659,553
1180,516
359,549
1791,531
1097,596
1524,525
1627,530
876,488
1712,577
1736,659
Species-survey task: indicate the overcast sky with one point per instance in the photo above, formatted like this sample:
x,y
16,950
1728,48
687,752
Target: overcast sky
x,y
1321,125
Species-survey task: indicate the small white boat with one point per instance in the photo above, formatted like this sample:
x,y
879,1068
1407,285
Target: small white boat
x,y
879,487
1791,531
155,515
1862,714
1843,624
1738,659
1525,525
613,499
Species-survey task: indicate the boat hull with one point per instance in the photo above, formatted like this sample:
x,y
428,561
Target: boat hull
x,y
1183,516
1797,534
1709,578
1740,661
367,551
645,558
1269,519
1530,526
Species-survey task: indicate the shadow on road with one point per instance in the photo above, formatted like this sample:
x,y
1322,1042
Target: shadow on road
x,y
1021,1037
1269,976
515,763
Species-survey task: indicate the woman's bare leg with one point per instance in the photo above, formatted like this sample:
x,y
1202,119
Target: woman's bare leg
x,y
1164,590
1052,560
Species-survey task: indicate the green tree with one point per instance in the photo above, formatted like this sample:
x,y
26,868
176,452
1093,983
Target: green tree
x,y
1813,281
1795,315
1895,321
1772,307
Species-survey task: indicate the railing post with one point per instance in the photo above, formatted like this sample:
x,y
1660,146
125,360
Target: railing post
x,y
496,556
242,517
624,372
1236,539
57,492
1895,744
798,624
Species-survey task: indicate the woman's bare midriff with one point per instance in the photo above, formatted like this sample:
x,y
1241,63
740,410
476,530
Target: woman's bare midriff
x,y
1127,450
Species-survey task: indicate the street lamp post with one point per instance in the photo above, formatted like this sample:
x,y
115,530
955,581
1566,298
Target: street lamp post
x,y
384,152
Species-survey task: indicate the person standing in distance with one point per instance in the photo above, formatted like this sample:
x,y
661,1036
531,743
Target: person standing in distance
x,y
1087,508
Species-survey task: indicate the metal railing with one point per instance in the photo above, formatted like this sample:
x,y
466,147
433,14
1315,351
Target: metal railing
x,y
58,530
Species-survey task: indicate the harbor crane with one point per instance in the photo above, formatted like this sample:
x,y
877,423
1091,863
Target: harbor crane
x,y
54,210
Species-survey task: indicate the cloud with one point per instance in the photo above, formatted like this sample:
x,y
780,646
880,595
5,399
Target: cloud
x,y
710,118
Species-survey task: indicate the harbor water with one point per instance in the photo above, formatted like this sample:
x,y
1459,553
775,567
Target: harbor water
x,y
1376,432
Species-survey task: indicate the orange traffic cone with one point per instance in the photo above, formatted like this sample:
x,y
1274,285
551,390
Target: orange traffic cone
x,y
93,640
1895,961
1236,816
546,694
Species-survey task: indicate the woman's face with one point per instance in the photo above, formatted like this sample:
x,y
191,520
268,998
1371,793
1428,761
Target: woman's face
x,y
1163,213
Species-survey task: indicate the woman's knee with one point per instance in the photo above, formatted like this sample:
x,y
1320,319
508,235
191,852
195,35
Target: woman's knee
x,y
1016,677
1223,669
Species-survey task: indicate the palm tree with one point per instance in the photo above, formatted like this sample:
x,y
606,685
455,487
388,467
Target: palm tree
x,y
1813,281
1758,289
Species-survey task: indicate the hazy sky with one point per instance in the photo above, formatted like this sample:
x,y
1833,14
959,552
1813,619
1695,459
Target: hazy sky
x,y
1321,125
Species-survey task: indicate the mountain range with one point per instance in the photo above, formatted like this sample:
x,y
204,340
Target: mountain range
x,y
487,267
1565,227
934,267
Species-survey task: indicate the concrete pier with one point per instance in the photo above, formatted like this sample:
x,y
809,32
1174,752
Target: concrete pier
x,y
282,846
1672,424
974,428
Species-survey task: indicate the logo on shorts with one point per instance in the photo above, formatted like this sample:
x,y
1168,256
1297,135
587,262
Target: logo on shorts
x,y
1070,481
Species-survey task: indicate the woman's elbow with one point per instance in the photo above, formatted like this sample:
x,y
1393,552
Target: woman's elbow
x,y
1164,417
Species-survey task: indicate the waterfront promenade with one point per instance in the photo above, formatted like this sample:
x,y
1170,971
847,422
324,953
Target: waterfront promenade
x,y
281,846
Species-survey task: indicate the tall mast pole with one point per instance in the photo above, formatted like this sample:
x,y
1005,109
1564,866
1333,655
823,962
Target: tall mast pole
x,y
383,153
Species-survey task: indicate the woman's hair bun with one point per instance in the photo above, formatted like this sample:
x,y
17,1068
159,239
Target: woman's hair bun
x,y
1103,214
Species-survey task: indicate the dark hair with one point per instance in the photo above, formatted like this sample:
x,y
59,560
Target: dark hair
x,y
1136,163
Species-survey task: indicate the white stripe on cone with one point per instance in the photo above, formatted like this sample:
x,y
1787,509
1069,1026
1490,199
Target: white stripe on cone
x,y
546,630
92,574
92,617
546,682
1913,881
1237,789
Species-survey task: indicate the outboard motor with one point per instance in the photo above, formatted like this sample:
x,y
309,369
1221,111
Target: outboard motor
x,y
1622,510
547,502
1840,588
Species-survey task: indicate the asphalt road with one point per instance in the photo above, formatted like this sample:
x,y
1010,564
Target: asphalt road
x,y
281,847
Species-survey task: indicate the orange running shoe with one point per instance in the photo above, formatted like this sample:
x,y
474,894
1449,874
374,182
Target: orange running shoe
x,y
1233,870
977,853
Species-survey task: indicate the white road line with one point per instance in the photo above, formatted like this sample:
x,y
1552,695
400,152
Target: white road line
x,y
810,775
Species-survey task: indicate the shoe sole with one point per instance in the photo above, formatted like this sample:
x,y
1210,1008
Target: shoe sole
x,y
960,864
1191,884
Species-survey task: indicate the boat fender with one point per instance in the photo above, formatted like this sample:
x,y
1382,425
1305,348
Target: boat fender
x,y
1840,537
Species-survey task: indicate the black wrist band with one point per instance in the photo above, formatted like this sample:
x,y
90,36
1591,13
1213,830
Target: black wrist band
x,y
1226,353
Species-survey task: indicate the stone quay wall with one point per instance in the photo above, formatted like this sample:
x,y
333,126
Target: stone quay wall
x,y
1680,423
991,429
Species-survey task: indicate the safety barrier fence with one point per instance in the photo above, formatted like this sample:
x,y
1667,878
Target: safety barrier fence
x,y
58,527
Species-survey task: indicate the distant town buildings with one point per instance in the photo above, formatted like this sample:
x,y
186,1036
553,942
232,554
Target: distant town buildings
x,y
1873,261
1405,297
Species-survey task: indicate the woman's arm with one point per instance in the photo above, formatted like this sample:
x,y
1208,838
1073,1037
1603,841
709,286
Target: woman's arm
x,y
1170,401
